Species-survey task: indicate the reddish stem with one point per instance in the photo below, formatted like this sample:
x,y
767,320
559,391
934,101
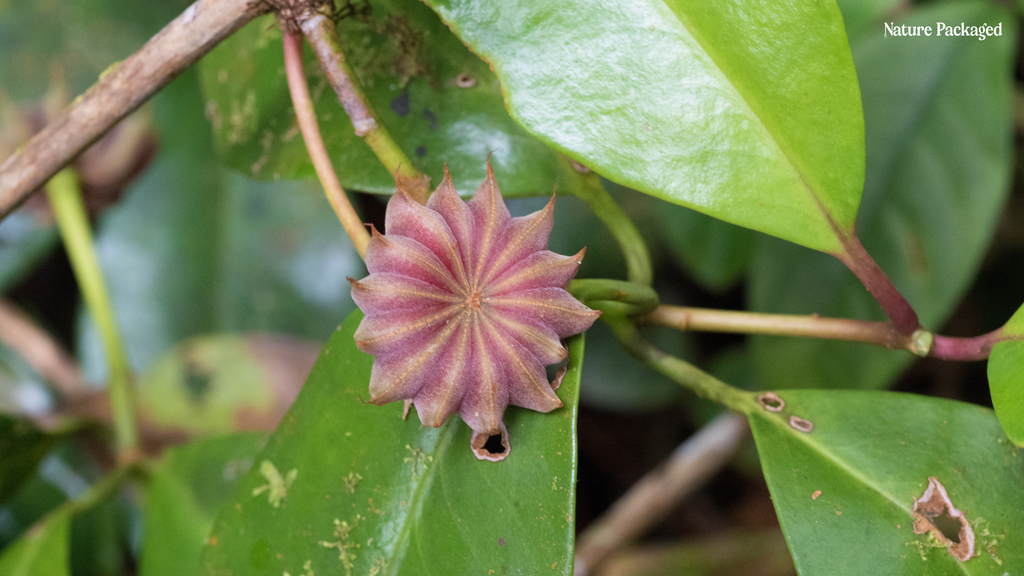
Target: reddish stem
x,y
975,348
896,307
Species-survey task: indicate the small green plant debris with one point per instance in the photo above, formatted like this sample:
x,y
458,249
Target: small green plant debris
x,y
341,532
351,481
307,569
276,485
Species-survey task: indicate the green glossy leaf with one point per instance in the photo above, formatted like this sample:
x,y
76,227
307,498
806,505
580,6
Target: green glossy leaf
x,y
1006,378
845,491
187,488
746,112
195,249
224,383
938,118
345,487
22,447
42,551
408,62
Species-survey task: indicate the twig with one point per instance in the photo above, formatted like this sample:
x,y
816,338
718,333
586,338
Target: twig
x,y
707,320
41,351
322,35
652,498
120,90
921,342
315,145
69,210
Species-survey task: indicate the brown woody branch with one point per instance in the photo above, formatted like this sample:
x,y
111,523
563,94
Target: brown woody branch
x,y
119,91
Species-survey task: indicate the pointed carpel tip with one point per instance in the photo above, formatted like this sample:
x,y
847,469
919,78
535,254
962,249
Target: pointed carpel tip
x,y
447,186
375,400
579,255
549,207
490,169
401,192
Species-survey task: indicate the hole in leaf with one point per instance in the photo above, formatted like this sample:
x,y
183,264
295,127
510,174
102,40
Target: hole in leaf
x,y
949,526
934,512
771,402
801,424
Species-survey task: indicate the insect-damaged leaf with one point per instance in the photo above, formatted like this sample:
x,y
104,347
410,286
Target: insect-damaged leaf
x,y
744,111
373,494
845,491
439,102
1006,378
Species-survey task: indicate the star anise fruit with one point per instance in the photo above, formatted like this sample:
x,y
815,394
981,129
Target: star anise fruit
x,y
464,307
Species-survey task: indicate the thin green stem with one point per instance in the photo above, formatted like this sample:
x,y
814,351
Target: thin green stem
x,y
615,296
634,249
322,35
69,209
103,487
686,374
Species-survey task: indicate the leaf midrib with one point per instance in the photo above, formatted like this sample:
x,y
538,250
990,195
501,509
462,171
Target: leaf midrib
x,y
419,497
